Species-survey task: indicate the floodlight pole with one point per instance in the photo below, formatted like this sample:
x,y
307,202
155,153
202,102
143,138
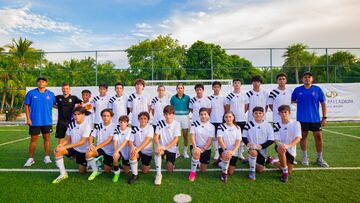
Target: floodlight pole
x,y
96,68
327,65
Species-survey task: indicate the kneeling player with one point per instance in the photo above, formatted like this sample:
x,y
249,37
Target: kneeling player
x,y
76,144
104,146
229,138
165,139
201,135
287,135
121,147
258,135
141,146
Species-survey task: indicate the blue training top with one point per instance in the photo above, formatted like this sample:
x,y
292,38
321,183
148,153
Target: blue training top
x,y
181,105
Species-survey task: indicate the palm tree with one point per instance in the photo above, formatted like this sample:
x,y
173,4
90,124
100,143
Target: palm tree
x,y
23,53
294,56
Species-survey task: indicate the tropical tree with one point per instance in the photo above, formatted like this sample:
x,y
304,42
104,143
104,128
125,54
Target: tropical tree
x,y
294,58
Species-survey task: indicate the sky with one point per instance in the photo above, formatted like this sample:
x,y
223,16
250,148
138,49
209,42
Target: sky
x,y
117,24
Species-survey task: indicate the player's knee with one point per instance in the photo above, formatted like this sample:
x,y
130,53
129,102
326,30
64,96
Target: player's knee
x,y
253,153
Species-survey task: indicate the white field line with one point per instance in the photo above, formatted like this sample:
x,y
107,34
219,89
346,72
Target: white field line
x,y
183,170
338,133
14,141
343,126
12,130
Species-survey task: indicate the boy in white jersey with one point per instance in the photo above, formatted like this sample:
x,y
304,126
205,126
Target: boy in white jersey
x,y
138,102
76,144
257,136
157,105
287,135
86,95
198,102
217,102
166,137
100,103
119,103
103,133
201,135
279,96
229,137
257,97
141,146
121,147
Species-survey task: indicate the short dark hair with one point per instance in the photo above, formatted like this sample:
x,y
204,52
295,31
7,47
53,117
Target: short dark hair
x,y
139,81
284,107
236,80
80,109
169,109
258,108
203,109
180,84
124,118
41,78
216,83
199,86
85,91
107,110
308,73
144,113
256,78
65,84
119,83
281,75
104,85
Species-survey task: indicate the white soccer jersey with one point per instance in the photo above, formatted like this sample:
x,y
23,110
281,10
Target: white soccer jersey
x,y
237,102
202,132
258,133
277,98
119,106
256,99
77,132
217,108
99,103
196,104
123,136
158,106
229,135
138,103
88,106
101,133
138,136
167,133
286,133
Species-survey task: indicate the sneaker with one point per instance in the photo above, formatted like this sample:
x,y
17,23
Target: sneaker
x,y
177,154
158,179
216,155
133,179
295,162
322,163
93,175
305,161
186,156
284,177
192,176
116,178
29,162
252,175
60,178
47,160
269,160
241,156
224,177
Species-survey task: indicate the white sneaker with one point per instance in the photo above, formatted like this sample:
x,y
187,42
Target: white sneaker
x,y
216,156
47,160
177,154
186,156
29,162
305,161
158,179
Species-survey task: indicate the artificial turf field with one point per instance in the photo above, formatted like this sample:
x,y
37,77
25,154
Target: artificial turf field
x,y
341,183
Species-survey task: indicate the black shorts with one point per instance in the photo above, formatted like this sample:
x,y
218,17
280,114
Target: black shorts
x,y
310,126
108,160
61,128
260,159
233,159
289,158
145,159
241,125
169,156
154,126
35,130
125,162
204,157
79,157
216,128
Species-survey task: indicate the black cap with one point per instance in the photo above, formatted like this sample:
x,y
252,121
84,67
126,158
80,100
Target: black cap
x,y
308,73
41,78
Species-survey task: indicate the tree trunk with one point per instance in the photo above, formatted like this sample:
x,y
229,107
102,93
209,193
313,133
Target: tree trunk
x,y
12,100
3,102
297,75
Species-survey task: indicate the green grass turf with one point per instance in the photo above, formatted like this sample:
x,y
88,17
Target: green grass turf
x,y
304,186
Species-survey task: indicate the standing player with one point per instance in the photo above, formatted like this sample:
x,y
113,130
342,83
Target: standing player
x,y
217,114
229,137
76,144
308,98
180,101
198,102
157,105
138,102
121,147
279,96
65,104
119,103
141,146
38,106
86,95
257,97
103,133
165,139
258,135
201,135
100,103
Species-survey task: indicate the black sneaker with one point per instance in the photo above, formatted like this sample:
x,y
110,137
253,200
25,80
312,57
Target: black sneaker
x,y
224,177
133,179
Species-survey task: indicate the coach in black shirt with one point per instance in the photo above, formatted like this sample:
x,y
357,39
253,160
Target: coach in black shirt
x,y
65,104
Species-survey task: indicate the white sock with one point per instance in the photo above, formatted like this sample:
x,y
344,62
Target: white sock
x,y
224,166
60,165
134,167
158,164
305,154
117,172
92,164
284,170
216,145
319,155
241,150
252,163
194,164
185,150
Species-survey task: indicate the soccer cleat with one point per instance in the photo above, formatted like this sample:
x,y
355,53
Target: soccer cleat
x,y
186,156
295,162
305,161
284,177
158,179
270,160
322,163
47,160
224,177
93,175
177,155
192,176
216,155
133,179
60,178
29,162
116,178
252,175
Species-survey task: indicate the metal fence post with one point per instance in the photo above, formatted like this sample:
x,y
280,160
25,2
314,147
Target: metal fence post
x,y
96,68
327,65
212,64
335,72
152,64
271,67
41,64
